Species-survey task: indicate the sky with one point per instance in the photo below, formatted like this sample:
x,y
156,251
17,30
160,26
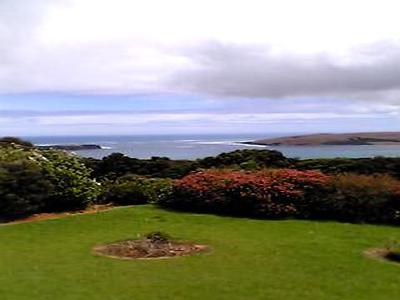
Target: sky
x,y
96,67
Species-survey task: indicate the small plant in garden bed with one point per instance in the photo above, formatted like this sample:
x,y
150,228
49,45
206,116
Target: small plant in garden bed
x,y
158,236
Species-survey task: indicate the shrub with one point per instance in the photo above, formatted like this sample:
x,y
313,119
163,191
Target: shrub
x,y
362,198
9,141
73,187
158,237
266,193
289,193
117,165
132,189
364,166
23,188
248,158
33,181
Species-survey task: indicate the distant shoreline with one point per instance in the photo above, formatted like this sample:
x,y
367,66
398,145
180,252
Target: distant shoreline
x,y
72,147
333,139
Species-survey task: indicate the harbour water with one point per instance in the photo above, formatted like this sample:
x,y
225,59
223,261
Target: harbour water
x,y
199,146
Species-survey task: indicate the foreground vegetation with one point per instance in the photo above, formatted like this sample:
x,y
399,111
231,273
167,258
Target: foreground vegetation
x,y
251,183
250,259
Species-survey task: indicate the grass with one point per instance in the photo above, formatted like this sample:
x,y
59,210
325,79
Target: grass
x,y
250,259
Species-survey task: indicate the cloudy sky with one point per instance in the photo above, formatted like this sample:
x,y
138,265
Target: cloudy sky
x,y
72,67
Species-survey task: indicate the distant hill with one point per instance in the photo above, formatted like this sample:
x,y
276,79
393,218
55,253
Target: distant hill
x,y
362,138
68,147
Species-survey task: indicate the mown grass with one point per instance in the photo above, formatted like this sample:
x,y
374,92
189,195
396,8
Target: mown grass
x,y
250,259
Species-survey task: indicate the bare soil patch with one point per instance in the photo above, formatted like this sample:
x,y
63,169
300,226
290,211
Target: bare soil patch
x,y
50,216
148,249
382,254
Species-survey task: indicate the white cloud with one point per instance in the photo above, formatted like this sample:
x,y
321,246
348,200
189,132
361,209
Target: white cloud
x,y
135,46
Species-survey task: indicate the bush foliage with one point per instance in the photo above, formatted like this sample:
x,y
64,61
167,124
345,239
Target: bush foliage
x,y
266,193
283,193
366,166
117,165
247,159
133,189
73,187
236,183
23,189
362,198
33,181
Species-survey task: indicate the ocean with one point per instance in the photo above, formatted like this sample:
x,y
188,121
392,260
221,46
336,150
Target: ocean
x,y
199,146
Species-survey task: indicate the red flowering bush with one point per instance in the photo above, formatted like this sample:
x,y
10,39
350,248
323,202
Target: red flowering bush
x,y
266,193
284,193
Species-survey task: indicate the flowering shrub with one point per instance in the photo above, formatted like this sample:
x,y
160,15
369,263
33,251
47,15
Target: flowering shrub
x,y
289,193
265,193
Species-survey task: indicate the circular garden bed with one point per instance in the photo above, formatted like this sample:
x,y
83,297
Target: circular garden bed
x,y
153,245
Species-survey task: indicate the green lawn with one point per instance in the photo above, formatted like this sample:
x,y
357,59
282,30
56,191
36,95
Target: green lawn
x,y
250,259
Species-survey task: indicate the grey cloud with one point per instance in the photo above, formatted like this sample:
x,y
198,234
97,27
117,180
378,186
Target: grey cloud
x,y
242,71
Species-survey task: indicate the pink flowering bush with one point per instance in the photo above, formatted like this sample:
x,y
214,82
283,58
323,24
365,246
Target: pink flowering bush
x,y
283,193
267,193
